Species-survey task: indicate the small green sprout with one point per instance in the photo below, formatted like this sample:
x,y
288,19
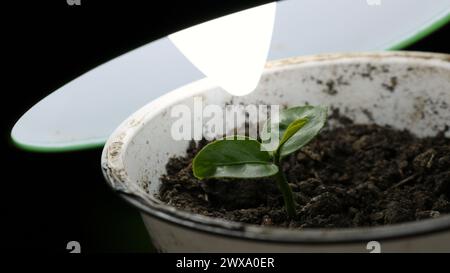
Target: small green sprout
x,y
244,157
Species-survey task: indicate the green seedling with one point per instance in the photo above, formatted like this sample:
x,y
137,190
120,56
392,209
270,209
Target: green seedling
x,y
244,157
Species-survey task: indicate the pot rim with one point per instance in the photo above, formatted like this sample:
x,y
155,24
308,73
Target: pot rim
x,y
115,174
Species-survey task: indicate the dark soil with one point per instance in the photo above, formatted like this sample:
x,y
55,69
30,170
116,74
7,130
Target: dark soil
x,y
354,175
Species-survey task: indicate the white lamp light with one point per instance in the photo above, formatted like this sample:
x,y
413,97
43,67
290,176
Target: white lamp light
x,y
230,50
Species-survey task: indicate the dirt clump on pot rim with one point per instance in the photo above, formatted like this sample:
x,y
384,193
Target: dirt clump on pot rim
x,y
349,176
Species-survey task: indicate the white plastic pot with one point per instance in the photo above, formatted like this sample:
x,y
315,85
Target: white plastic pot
x,y
401,89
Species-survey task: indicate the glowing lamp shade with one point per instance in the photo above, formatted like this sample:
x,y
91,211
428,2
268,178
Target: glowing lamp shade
x,y
231,50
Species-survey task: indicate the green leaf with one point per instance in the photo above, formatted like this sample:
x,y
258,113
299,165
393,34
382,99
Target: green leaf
x,y
315,120
291,130
234,157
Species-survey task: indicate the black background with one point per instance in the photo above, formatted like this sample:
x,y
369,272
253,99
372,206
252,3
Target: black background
x,y
50,199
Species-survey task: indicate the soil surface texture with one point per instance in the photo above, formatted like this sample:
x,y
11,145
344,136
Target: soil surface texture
x,y
349,176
